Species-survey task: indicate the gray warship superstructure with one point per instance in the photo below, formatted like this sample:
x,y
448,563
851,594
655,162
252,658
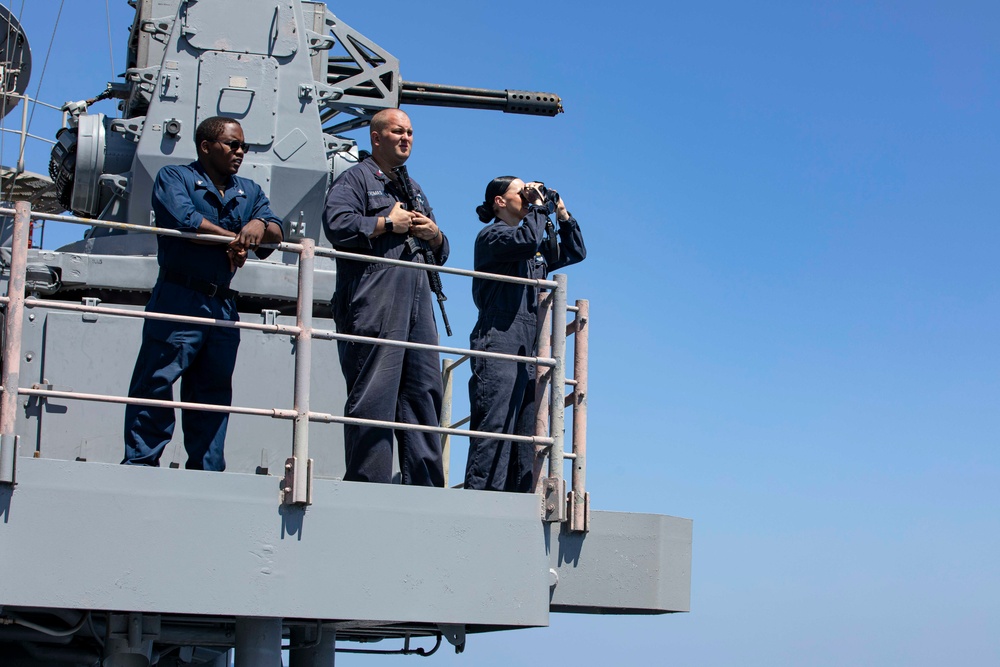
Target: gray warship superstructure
x,y
129,567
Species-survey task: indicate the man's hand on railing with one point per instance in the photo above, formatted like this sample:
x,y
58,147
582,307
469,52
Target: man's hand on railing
x,y
250,236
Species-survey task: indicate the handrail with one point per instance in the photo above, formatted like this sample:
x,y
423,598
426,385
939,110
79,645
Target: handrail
x,y
28,135
298,469
283,329
274,413
578,499
287,246
23,132
26,98
468,273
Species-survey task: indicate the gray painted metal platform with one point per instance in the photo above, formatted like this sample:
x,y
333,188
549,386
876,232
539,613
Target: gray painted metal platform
x,y
97,536
109,537
627,564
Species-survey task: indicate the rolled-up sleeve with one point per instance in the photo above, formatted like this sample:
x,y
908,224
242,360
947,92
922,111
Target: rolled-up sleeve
x,y
262,211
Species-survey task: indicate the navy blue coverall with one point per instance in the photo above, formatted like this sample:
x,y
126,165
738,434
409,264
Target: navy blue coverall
x,y
384,383
193,280
501,392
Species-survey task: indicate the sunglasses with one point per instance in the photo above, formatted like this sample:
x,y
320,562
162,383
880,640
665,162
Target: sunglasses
x,y
234,145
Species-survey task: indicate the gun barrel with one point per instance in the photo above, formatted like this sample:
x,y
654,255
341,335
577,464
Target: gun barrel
x,y
508,101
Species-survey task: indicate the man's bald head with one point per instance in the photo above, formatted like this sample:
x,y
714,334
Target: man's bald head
x,y
384,117
392,138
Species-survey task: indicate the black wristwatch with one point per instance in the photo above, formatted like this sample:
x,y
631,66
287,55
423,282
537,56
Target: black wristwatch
x,y
388,225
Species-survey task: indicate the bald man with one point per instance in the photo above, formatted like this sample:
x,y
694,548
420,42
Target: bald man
x,y
364,215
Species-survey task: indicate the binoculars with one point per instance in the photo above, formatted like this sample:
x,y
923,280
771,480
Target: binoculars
x,y
550,197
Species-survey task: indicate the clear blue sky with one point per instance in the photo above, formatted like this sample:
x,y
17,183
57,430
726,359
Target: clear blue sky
x,y
792,216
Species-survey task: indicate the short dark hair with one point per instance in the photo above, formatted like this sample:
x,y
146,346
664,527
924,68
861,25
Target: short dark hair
x,y
212,128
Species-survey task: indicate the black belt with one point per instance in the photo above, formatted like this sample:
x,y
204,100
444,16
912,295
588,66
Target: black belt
x,y
203,286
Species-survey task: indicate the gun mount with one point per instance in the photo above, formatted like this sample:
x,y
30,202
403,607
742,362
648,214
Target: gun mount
x,y
508,101
293,74
296,77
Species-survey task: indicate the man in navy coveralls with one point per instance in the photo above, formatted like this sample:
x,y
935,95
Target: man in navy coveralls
x,y
363,215
208,197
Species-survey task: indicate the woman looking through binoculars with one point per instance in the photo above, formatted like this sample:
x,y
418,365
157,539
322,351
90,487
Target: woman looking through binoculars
x,y
519,240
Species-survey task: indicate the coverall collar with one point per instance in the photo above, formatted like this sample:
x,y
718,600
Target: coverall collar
x,y
203,182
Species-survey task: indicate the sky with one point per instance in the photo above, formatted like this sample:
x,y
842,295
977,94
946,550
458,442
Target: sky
x,y
791,213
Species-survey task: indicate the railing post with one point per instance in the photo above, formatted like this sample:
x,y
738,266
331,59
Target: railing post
x,y
579,499
555,485
447,382
543,345
13,324
298,469
24,134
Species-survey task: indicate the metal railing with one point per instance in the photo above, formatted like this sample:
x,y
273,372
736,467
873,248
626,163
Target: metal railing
x,y
16,182
23,132
553,485
297,487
